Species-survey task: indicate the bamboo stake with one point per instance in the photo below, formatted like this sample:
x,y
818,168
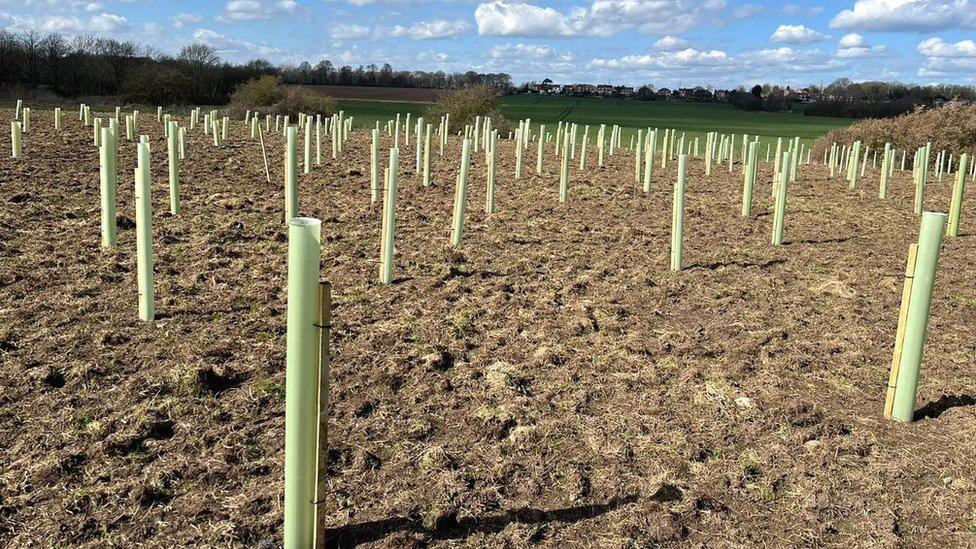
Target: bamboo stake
x,y
264,154
325,371
906,295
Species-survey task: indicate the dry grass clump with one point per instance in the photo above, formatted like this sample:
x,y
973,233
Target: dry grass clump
x,y
464,105
951,127
267,95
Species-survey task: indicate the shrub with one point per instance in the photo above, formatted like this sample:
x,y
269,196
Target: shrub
x,y
266,94
257,94
304,100
464,105
951,127
155,86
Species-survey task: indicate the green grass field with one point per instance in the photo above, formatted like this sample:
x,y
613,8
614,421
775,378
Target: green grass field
x,y
695,119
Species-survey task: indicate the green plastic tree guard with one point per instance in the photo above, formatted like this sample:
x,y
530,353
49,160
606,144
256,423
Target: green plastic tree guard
x,y
917,321
144,251
302,381
678,217
461,192
108,176
291,173
388,229
955,209
173,150
779,219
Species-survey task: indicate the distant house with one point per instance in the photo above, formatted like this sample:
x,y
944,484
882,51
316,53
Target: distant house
x,y
806,95
579,89
664,92
604,89
625,91
546,86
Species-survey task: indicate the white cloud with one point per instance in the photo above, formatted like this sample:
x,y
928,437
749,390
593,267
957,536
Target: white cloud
x,y
689,57
434,57
601,18
671,43
936,47
502,18
250,10
852,40
854,45
796,34
907,15
342,31
178,20
228,46
746,10
786,59
432,30
795,10
653,16
947,59
520,51
98,23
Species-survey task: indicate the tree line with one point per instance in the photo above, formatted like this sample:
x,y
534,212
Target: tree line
x,y
884,99
89,65
844,98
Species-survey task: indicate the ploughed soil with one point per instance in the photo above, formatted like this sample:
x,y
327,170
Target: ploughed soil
x,y
379,93
549,382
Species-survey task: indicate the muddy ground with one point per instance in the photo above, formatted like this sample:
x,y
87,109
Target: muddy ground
x,y
379,93
547,383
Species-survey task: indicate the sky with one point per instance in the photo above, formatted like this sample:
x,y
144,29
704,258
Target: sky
x,y
664,43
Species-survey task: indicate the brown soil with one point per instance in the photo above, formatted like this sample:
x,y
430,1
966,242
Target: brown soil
x,y
550,382
380,93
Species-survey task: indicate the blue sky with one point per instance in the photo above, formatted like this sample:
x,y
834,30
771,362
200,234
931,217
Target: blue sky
x,y
659,42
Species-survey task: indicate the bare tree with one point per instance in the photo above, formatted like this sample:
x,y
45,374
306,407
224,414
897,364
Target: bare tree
x,y
55,49
31,41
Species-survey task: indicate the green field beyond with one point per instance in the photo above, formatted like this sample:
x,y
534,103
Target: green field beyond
x,y
695,119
